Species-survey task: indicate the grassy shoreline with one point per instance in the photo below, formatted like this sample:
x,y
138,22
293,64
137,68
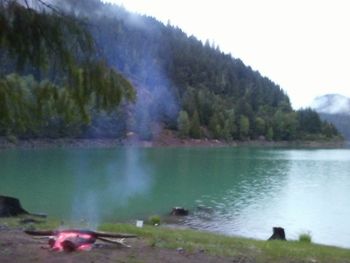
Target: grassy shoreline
x,y
213,245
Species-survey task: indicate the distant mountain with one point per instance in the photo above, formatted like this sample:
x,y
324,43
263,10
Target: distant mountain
x,y
335,109
332,104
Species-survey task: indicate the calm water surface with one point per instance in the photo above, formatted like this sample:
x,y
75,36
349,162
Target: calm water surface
x,y
244,191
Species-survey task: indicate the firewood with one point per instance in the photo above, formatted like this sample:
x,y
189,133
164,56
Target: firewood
x,y
117,242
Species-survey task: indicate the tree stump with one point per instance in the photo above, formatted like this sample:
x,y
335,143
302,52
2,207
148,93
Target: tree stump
x,y
179,211
278,234
10,206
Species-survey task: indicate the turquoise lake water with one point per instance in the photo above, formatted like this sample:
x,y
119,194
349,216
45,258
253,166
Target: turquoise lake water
x,y
241,191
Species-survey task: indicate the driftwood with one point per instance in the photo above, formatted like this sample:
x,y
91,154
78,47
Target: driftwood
x,y
117,242
278,234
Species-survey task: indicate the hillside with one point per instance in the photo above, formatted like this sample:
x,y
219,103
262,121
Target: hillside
x,y
191,86
181,84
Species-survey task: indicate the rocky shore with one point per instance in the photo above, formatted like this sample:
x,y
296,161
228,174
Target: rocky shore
x,y
166,138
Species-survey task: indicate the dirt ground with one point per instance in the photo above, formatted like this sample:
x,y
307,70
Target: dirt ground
x,y
16,246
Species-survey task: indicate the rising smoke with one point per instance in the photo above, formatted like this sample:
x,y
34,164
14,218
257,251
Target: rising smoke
x,y
155,103
154,106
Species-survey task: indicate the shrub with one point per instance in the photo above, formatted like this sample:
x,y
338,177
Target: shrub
x,y
305,238
12,139
154,220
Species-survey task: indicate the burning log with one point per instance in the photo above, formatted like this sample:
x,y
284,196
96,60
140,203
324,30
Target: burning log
x,y
72,241
78,240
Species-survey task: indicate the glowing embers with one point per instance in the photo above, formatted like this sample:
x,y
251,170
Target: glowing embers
x,y
78,240
72,240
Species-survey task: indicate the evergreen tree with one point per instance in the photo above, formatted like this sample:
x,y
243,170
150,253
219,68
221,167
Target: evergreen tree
x,y
67,81
243,127
183,124
195,130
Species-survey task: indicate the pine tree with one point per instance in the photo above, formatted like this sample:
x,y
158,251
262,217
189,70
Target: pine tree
x,y
183,124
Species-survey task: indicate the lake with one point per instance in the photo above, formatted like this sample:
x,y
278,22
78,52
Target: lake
x,y
235,191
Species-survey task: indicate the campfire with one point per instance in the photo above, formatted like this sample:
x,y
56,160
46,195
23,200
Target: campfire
x,y
78,240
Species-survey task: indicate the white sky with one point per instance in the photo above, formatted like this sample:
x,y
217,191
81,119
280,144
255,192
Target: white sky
x,y
302,45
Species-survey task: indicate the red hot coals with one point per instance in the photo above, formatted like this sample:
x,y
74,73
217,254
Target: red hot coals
x,y
72,240
78,240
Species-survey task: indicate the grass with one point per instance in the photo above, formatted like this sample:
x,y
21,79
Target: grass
x,y
217,245
43,223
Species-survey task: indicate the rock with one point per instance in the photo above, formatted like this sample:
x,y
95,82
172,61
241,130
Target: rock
x,y
10,206
179,211
180,250
278,234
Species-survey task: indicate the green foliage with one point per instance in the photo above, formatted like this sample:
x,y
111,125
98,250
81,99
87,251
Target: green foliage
x,y
285,125
260,126
195,131
65,85
311,126
247,249
305,238
183,124
334,122
40,38
309,121
154,220
270,135
243,127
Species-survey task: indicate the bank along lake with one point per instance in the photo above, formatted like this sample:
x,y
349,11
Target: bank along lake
x,y
241,191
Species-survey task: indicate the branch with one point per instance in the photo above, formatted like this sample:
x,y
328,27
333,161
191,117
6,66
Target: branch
x,y
117,242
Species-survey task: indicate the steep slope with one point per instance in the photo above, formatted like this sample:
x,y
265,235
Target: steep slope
x,y
194,87
182,84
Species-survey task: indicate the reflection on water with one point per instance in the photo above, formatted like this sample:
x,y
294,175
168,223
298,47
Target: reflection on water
x,y
245,207
235,191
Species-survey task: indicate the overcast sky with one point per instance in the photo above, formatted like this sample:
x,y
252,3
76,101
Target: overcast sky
x,y
302,45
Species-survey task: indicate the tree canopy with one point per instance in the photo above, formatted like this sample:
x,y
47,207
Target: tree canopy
x,y
51,77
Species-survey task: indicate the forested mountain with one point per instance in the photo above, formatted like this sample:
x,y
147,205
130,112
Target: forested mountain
x,y
181,83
